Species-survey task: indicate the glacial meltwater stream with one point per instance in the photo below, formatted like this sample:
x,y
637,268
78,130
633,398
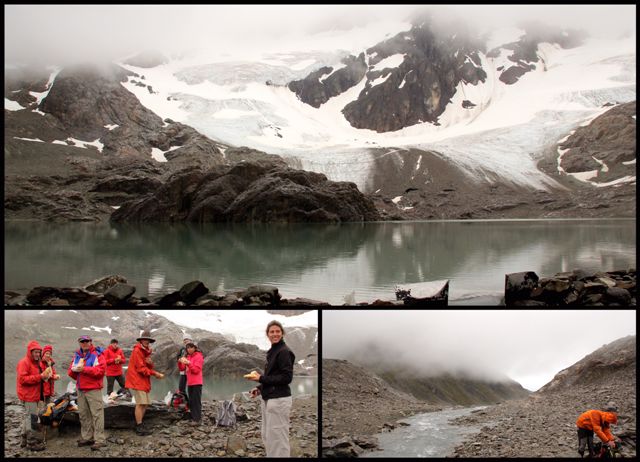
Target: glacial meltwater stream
x,y
428,435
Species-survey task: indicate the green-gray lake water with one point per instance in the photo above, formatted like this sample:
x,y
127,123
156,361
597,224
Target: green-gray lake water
x,y
212,388
317,261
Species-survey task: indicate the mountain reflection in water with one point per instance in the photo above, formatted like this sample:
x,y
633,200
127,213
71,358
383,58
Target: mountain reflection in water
x,y
317,261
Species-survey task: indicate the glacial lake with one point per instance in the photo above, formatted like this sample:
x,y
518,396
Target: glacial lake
x,y
333,263
212,388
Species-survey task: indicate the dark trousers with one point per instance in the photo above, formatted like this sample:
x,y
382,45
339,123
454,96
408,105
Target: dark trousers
x,y
111,380
183,385
585,438
195,402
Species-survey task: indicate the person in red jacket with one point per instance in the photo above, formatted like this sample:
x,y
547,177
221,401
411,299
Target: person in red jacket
x,y
47,361
599,422
30,378
88,368
114,357
193,363
139,378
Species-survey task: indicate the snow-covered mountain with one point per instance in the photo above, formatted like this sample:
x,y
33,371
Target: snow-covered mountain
x,y
437,108
495,118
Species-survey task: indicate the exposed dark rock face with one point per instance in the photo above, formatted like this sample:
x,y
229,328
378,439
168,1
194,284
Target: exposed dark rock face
x,y
610,138
250,192
60,183
19,82
64,182
606,375
435,61
525,51
147,59
87,99
575,288
315,92
419,89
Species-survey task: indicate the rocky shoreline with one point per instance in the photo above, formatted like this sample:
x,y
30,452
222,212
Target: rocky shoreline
x,y
178,440
572,288
522,428
353,411
575,288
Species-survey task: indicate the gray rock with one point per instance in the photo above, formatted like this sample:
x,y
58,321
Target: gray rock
x,y
119,293
518,286
235,443
192,291
617,295
103,284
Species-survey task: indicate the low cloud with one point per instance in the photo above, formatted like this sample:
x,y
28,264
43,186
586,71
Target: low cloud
x,y
527,346
51,34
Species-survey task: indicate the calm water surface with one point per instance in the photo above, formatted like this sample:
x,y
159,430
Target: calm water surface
x,y
332,263
212,388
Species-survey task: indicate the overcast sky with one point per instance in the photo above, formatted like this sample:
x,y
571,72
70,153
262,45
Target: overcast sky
x,y
79,32
528,346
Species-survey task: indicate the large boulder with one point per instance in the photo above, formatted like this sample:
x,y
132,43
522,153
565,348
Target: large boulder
x,y
250,192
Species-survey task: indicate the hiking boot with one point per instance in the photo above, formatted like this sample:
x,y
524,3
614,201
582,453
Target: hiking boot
x,y
142,430
97,446
85,443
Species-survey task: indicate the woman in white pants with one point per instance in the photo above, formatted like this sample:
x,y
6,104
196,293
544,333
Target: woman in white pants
x,y
275,392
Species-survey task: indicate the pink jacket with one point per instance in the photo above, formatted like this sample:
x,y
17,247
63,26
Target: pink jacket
x,y
194,370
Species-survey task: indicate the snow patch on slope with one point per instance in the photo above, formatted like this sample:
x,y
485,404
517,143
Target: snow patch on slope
x,y
11,105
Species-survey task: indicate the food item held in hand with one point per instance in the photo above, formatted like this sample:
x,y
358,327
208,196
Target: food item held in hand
x,y
252,375
79,365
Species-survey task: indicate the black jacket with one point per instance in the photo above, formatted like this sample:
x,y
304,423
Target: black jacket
x,y
278,373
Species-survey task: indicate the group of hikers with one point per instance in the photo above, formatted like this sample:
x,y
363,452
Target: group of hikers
x,y
36,376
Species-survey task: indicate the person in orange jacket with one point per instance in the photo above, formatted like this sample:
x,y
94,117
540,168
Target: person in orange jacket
x,y
139,378
599,422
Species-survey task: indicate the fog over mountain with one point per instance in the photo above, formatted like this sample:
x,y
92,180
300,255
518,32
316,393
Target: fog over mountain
x,y
527,346
61,34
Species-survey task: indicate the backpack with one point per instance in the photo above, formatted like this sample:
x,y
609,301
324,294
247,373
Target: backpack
x,y
179,401
226,414
54,412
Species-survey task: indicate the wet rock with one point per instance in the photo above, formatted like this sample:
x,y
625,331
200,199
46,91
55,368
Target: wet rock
x,y
518,286
192,291
119,293
618,295
103,284
75,296
576,288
